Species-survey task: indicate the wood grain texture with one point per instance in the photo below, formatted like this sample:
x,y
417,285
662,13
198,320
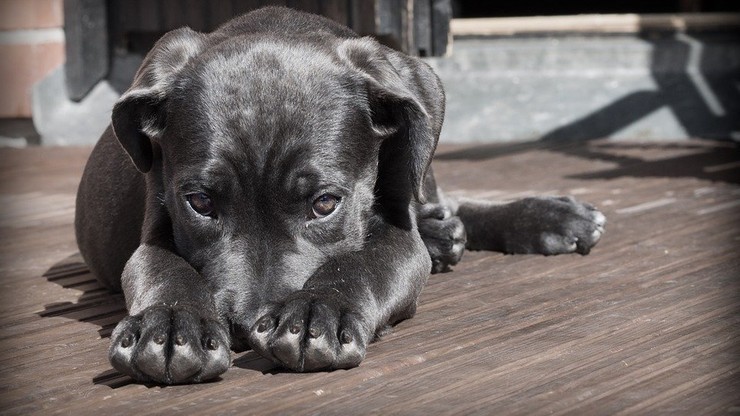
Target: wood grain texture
x,y
645,324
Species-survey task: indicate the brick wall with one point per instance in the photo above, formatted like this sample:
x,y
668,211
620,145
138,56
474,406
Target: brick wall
x,y
31,46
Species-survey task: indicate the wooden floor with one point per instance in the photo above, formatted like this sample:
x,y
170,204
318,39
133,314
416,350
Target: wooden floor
x,y
648,323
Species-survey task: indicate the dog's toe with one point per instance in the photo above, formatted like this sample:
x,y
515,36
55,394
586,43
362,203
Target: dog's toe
x,y
310,333
598,218
555,225
443,236
169,346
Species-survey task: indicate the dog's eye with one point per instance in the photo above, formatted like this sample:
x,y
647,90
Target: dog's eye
x,y
324,205
201,203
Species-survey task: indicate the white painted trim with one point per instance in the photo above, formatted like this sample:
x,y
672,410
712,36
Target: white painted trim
x,y
35,37
599,23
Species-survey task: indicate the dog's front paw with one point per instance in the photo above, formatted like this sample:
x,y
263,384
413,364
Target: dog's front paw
x,y
554,225
443,235
170,346
311,332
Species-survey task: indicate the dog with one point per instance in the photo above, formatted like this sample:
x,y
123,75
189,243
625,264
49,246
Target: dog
x,y
268,186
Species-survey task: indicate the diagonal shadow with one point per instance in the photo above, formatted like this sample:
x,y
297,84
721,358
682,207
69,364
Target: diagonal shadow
x,y
702,96
720,163
96,305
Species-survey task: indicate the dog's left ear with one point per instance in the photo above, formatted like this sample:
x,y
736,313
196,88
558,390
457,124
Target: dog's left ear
x,y
406,102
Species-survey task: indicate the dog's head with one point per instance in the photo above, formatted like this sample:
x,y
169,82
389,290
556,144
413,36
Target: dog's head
x,y
271,155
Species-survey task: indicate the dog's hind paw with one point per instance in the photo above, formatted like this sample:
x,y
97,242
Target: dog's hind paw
x,y
170,346
311,332
553,225
443,235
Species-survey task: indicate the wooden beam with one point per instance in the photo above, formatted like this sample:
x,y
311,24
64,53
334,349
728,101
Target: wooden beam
x,y
86,32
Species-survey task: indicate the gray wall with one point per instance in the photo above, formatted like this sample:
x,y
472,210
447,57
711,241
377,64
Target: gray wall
x,y
668,86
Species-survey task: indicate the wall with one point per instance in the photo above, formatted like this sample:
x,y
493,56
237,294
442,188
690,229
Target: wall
x,y
577,87
31,46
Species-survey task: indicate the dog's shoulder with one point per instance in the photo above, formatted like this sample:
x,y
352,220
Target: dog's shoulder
x,y
283,21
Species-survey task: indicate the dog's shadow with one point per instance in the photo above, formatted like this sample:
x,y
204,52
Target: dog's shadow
x,y
97,305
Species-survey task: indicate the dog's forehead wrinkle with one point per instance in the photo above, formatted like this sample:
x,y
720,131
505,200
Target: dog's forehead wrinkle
x,y
268,66
272,83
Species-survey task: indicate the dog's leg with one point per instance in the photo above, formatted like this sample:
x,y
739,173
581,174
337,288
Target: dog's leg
x,y
172,335
537,225
345,304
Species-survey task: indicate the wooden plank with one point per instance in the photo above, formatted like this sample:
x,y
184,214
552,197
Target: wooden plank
x,y
149,14
423,28
647,323
311,6
196,14
363,16
192,13
337,10
390,23
173,15
220,11
441,35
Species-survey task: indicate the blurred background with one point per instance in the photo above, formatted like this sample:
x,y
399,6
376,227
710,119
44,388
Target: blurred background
x,y
513,71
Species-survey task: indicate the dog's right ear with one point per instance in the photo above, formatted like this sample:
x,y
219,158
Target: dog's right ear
x,y
406,104
139,117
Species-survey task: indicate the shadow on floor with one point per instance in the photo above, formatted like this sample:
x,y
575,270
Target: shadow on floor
x,y
95,305
715,161
720,163
99,306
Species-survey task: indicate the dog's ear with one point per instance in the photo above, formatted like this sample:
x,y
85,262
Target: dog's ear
x,y
139,116
407,107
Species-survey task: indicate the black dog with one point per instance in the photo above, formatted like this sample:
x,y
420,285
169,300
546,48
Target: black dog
x,y
267,186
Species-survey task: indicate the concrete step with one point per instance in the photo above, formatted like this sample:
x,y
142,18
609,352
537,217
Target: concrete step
x,y
659,86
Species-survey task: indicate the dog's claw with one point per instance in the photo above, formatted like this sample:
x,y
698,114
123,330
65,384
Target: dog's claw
x,y
262,325
127,340
212,344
